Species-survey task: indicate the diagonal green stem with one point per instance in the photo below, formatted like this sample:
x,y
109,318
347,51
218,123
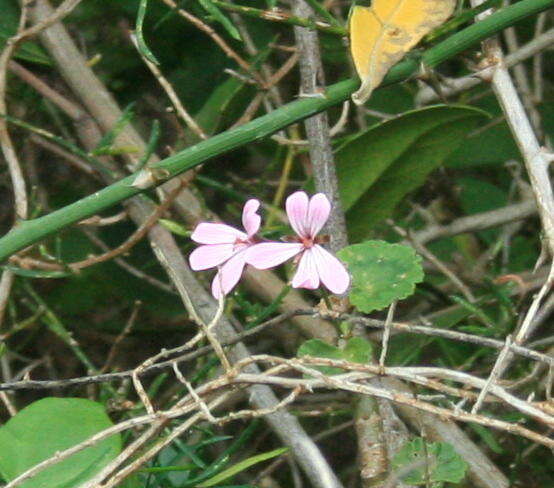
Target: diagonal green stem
x,y
30,231
284,17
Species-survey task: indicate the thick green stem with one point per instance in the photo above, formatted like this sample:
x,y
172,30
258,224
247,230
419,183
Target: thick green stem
x,y
30,231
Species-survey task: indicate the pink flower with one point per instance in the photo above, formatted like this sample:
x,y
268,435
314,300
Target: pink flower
x,y
225,246
315,264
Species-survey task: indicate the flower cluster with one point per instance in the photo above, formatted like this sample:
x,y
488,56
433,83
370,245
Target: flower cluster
x,y
231,250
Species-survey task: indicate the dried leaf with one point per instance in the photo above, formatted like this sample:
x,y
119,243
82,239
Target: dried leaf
x,y
382,34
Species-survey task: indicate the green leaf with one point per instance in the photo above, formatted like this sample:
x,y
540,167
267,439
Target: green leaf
x,y
381,273
475,151
319,349
356,350
241,466
439,461
9,21
175,227
487,437
211,114
108,139
50,425
379,167
232,92
218,15
141,43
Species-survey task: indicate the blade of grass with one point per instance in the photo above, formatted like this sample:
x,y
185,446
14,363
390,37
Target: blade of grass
x,y
143,48
241,466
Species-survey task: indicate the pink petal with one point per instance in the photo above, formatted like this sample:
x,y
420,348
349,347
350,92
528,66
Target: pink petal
x,y
318,213
250,219
270,254
228,275
208,233
210,256
331,271
297,212
306,275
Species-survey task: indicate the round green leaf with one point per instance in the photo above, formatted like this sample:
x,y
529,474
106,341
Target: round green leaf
x,y
439,461
50,425
381,273
356,350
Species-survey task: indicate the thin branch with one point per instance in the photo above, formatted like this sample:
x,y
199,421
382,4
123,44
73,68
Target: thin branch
x,y
398,327
454,86
217,39
119,339
317,127
170,92
480,221
386,335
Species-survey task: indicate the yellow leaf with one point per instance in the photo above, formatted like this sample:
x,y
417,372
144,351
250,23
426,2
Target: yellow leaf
x,y
382,34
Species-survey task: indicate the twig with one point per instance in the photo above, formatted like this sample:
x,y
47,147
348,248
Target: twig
x,y
152,367
480,221
454,86
396,326
451,334
276,15
98,221
493,376
5,399
127,267
70,108
71,158
386,335
538,60
524,87
207,329
344,383
436,262
317,127
199,402
6,282
170,92
124,333
217,39
333,131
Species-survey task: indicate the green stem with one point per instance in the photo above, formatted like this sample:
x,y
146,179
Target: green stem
x,y
57,327
324,13
283,17
31,231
